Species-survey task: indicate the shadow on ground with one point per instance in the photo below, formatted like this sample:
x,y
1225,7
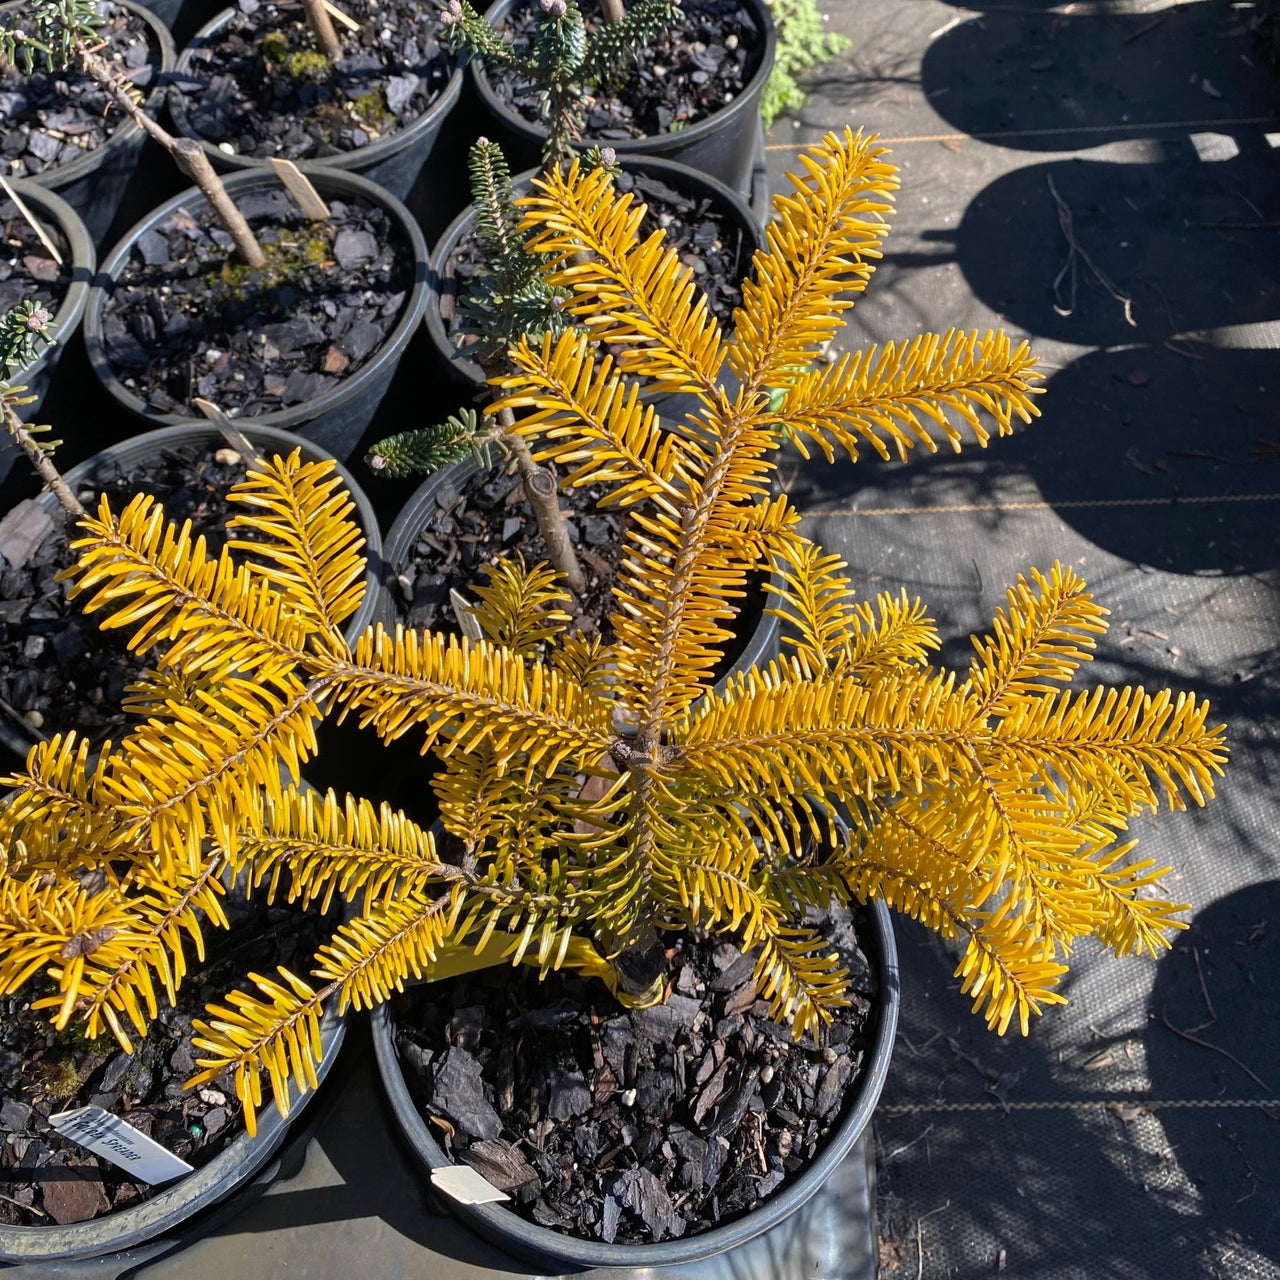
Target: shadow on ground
x,y
1159,415
1067,80
1183,239
1097,1183
1219,983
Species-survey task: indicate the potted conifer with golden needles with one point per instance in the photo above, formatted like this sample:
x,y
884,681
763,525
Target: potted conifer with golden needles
x,y
597,794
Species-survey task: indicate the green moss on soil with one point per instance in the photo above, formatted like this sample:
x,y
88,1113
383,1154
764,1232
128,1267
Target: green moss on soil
x,y
371,108
275,46
287,259
307,64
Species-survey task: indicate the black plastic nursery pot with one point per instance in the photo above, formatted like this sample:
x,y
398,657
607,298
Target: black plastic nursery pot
x,y
545,1248
119,1241
393,162
50,208
94,185
757,640
180,16
680,176
269,440
722,145
334,420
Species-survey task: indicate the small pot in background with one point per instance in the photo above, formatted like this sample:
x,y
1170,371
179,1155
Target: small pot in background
x,y
94,184
676,175
723,145
393,162
756,642
115,1244
52,209
111,461
335,420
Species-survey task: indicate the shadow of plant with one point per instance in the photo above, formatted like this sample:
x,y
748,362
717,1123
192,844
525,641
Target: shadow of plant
x,y
1062,80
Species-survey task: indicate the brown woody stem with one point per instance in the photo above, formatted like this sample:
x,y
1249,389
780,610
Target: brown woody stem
x,y
613,10
322,25
187,154
544,497
195,164
43,464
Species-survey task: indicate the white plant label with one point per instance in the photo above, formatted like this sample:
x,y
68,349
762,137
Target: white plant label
x,y
108,1136
462,1183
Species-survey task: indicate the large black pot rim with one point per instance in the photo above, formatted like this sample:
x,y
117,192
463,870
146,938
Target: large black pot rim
x,y
84,260
335,181
469,369
207,1186
528,1240
654,144
129,131
364,158
283,442
761,646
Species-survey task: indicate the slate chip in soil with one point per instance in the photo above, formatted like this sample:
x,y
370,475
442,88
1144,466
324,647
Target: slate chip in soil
x,y
73,1194
457,1092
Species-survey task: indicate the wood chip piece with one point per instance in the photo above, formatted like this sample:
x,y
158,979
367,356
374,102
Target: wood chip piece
x,y
500,1163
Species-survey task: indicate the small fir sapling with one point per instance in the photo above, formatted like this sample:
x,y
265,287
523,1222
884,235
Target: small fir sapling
x,y
62,35
24,332
565,58
508,297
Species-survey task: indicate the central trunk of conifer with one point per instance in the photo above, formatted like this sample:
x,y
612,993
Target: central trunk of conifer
x,y
641,966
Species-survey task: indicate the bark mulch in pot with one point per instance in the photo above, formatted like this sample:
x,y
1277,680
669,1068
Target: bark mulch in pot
x,y
698,66
51,119
706,237
186,318
491,517
488,518
27,270
58,669
47,1179
640,1126
268,91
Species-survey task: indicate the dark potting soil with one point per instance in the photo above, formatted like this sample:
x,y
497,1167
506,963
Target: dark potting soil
x,y
633,1126
706,237
490,517
52,118
27,269
48,1179
265,89
186,318
58,669
699,65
